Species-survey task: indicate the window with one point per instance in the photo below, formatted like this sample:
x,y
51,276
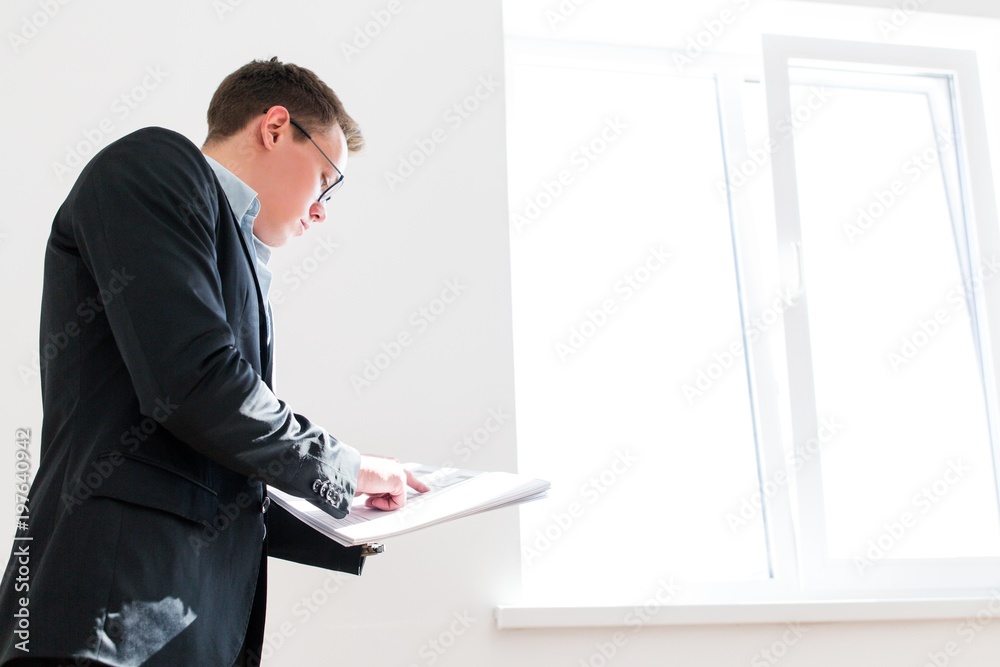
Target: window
x,y
751,319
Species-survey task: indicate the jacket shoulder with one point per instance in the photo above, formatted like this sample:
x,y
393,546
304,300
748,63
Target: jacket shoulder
x,y
157,150
151,164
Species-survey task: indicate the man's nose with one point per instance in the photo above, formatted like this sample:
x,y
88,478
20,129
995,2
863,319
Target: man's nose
x,y
317,212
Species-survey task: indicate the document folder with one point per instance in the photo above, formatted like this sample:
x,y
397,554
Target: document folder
x,y
453,494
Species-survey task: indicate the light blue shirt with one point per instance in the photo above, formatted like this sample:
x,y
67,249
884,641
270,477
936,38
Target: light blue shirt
x,y
246,206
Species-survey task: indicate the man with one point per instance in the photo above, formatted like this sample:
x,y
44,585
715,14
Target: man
x,y
146,536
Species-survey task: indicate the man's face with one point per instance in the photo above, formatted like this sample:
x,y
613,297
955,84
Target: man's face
x,y
289,174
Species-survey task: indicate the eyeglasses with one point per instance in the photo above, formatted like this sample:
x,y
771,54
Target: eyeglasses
x,y
326,194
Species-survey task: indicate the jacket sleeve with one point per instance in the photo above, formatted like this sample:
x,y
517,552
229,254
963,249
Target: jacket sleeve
x,y
147,207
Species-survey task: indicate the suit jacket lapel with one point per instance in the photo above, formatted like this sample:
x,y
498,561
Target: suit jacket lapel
x,y
265,346
268,365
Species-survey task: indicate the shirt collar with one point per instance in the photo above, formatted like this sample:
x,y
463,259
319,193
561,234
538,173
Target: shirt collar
x,y
241,196
244,201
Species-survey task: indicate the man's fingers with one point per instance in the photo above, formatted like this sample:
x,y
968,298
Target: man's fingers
x,y
386,483
416,484
384,502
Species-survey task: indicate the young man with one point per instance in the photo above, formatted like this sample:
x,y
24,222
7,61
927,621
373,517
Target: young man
x,y
146,536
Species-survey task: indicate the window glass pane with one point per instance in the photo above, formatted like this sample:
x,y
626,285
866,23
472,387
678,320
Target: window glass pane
x,y
894,348
609,171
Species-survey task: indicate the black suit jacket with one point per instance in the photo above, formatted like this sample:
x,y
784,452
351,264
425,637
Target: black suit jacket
x,y
148,514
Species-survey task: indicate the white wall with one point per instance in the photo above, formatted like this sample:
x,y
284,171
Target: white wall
x,y
448,221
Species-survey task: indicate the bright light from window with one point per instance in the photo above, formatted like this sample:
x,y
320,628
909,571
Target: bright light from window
x,y
625,291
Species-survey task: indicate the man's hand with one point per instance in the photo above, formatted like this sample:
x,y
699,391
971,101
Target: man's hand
x,y
385,481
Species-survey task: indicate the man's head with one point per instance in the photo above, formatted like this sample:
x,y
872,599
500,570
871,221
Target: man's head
x,y
278,127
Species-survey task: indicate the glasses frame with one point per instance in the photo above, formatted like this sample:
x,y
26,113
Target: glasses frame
x,y
324,196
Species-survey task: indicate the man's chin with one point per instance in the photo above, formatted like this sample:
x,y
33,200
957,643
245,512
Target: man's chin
x,y
279,241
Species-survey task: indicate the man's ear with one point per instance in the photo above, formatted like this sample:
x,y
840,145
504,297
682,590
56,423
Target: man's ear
x,y
272,127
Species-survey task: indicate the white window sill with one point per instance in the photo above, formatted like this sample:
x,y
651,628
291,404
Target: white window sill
x,y
522,617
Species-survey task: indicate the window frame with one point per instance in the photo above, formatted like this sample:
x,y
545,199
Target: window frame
x,y
818,570
803,586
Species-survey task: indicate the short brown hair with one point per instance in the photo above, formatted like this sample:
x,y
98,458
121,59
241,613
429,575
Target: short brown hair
x,y
261,84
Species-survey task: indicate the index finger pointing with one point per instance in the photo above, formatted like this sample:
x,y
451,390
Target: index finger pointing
x,y
416,484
